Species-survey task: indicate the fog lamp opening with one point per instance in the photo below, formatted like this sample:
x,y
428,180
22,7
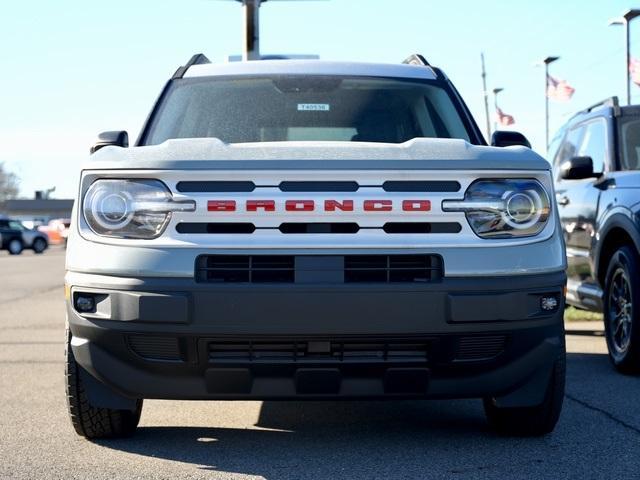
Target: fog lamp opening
x,y
549,303
85,303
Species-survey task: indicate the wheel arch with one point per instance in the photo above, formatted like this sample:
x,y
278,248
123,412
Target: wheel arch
x,y
618,231
8,237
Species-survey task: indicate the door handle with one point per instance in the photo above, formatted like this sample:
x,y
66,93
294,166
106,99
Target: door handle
x,y
562,200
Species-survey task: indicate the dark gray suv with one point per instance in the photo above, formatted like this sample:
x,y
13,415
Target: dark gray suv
x,y
596,159
15,237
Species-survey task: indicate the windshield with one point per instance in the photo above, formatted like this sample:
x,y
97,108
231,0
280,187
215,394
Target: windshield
x,y
314,108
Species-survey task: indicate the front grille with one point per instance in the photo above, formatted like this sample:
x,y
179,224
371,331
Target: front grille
x,y
316,227
153,347
392,268
216,228
324,269
213,187
310,186
421,227
318,186
483,347
314,351
245,268
288,228
418,186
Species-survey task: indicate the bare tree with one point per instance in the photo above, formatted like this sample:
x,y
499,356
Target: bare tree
x,y
9,184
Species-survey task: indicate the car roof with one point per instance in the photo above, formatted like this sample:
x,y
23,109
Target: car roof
x,y
311,67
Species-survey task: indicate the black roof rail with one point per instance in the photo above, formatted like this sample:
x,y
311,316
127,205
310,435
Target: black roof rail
x,y
416,59
197,59
607,102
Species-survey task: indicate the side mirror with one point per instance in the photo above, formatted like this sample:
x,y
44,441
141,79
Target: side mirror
x,y
506,138
577,168
116,138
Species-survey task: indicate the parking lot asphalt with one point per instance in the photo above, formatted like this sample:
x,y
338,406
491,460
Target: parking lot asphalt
x,y
598,435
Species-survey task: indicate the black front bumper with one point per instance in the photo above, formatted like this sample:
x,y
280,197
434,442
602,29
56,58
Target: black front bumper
x,y
178,339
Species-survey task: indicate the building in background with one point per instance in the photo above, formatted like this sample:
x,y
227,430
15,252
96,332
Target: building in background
x,y
36,211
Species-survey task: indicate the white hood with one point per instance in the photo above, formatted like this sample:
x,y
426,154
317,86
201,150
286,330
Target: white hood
x,y
422,153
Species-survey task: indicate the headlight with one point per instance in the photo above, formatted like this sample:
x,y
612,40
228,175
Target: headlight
x,y
504,208
130,208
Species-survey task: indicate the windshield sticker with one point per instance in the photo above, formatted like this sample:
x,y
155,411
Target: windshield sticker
x,y
313,107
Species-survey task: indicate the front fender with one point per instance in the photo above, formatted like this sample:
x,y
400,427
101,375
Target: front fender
x,y
618,217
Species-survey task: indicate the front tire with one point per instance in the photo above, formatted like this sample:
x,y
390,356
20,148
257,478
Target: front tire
x,y
39,245
88,420
531,421
622,310
15,246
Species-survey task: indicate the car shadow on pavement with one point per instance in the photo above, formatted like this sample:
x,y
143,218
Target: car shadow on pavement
x,y
387,439
586,333
380,439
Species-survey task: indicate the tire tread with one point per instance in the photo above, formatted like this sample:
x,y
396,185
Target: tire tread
x,y
90,421
532,421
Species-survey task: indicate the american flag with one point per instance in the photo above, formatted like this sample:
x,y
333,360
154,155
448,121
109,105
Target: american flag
x,y
559,90
634,70
504,118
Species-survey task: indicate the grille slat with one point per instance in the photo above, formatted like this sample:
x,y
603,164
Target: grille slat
x,y
480,347
215,186
421,186
301,228
153,347
422,227
348,269
312,186
303,351
297,228
431,186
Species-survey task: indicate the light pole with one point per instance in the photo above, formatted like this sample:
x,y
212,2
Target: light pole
x,y
624,20
485,94
251,29
496,91
546,61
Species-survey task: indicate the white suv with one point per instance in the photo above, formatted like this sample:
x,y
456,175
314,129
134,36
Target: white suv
x,y
314,230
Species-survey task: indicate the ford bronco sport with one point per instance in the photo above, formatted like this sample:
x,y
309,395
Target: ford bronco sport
x,y
314,230
596,158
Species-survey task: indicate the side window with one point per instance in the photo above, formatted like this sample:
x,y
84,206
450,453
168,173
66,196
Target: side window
x,y
552,151
631,145
569,147
594,144
16,225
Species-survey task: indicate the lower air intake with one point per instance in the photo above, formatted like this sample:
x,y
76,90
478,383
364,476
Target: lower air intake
x,y
322,269
314,351
480,347
156,347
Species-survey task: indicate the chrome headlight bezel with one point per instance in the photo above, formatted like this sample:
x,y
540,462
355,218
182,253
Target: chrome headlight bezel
x,y
130,208
503,208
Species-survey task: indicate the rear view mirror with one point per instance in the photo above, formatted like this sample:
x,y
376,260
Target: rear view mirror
x,y
577,168
118,138
506,138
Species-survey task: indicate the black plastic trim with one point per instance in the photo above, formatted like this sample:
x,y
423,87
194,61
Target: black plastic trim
x,y
197,59
215,228
417,186
421,227
208,187
311,186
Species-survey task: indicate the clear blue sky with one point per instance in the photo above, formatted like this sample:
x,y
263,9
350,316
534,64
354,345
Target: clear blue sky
x,y
71,69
